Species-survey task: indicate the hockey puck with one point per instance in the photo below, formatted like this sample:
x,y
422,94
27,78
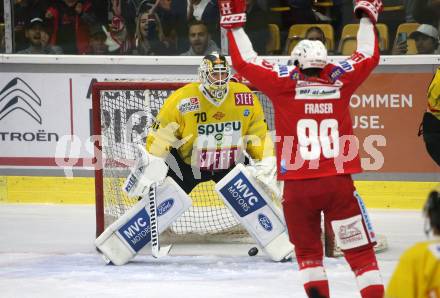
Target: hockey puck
x,y
253,251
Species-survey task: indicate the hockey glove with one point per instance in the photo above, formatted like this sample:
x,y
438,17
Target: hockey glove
x,y
148,169
232,13
265,171
371,8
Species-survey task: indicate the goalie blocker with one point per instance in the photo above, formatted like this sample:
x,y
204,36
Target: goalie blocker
x,y
254,209
123,239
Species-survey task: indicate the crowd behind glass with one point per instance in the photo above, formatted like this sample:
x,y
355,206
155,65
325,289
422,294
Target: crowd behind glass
x,y
191,27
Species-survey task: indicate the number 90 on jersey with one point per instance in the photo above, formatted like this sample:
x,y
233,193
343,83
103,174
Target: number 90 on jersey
x,y
314,138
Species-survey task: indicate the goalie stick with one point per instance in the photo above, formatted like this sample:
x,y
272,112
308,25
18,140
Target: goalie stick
x,y
156,250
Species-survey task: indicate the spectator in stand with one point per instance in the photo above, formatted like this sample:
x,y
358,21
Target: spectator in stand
x,y
35,28
173,24
120,39
45,38
149,36
206,11
418,272
400,47
200,40
313,33
257,26
316,33
97,45
128,11
71,19
426,38
25,10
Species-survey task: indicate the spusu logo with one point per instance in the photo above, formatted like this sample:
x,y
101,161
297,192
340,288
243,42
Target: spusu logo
x,y
18,95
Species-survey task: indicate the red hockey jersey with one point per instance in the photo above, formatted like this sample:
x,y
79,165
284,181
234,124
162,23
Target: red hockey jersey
x,y
314,135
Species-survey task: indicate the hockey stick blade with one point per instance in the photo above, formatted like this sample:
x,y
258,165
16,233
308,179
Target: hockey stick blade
x,y
162,251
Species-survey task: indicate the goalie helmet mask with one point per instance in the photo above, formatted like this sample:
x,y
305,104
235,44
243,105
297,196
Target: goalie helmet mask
x,y
214,74
431,210
309,54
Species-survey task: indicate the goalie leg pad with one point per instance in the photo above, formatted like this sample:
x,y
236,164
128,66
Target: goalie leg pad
x,y
124,238
254,209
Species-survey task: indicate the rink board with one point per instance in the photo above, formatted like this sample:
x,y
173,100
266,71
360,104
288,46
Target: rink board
x,y
80,190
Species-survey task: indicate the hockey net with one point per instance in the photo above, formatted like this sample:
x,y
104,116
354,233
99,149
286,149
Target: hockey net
x,y
122,114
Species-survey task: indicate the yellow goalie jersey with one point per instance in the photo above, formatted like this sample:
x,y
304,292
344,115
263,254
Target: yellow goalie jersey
x,y
434,95
208,136
418,273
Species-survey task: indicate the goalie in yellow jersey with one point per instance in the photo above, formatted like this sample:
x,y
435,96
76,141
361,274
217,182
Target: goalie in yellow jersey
x,y
208,125
417,274
211,128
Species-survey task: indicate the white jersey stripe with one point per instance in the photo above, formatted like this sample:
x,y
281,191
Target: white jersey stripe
x,y
244,45
313,274
369,278
366,37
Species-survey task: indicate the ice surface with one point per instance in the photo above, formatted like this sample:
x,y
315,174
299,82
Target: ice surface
x,y
47,251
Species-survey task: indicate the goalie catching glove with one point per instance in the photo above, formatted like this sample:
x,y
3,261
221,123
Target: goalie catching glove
x,y
232,13
148,169
371,8
265,171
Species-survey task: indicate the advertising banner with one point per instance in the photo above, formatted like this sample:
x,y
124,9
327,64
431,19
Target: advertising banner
x,y
387,111
47,117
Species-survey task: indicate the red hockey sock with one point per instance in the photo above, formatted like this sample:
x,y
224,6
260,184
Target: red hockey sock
x,y
374,291
364,265
314,278
317,289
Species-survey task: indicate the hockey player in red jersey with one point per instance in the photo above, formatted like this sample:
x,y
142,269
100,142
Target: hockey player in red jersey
x,y
316,149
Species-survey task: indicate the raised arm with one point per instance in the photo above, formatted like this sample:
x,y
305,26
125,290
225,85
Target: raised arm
x,y
261,73
366,57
